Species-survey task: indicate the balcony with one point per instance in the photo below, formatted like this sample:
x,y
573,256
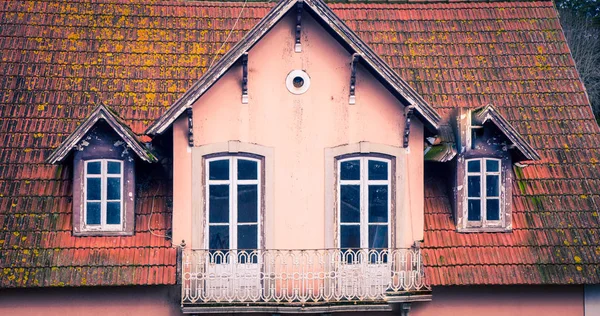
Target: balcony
x,y
322,280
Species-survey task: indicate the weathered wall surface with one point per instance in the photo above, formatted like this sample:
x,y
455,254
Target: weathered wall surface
x,y
299,128
105,301
503,301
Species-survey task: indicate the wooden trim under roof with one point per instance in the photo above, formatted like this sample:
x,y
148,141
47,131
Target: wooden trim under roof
x,y
400,87
489,113
104,113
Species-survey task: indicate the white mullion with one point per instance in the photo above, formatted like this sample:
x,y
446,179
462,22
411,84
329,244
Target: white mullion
x,y
483,170
246,182
217,182
103,192
233,203
364,204
350,182
377,182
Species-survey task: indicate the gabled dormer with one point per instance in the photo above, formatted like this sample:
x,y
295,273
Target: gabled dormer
x,y
487,147
104,154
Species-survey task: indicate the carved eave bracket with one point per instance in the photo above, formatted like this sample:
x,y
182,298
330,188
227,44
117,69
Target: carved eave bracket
x,y
298,45
408,113
355,59
245,78
190,119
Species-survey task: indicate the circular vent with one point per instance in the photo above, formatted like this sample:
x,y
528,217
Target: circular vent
x,y
297,81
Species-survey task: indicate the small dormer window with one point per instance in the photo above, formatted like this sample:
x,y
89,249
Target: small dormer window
x,y
104,154
103,198
483,192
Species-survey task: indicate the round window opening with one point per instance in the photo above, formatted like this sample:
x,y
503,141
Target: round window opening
x,y
297,81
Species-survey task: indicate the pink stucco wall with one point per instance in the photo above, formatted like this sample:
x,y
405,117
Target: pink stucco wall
x,y
503,301
299,128
104,301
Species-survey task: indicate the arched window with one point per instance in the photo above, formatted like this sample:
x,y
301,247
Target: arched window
x,y
233,202
364,200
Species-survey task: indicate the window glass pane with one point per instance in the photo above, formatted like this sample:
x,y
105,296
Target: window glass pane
x,y
218,237
350,170
93,213
219,170
474,186
378,236
474,166
492,210
492,165
93,167
350,237
350,203
378,170
474,212
218,203
247,237
114,167
113,213
93,189
492,184
378,203
247,203
247,169
113,192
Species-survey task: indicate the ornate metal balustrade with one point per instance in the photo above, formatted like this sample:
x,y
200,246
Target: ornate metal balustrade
x,y
299,276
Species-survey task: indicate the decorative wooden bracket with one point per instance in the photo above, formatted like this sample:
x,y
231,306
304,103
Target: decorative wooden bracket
x,y
408,113
190,127
298,46
355,58
245,78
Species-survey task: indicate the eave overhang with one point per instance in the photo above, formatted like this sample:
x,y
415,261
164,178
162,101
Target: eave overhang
x,y
488,114
102,112
326,17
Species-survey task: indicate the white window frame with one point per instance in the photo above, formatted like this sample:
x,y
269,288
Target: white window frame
x,y
233,183
364,183
103,226
482,174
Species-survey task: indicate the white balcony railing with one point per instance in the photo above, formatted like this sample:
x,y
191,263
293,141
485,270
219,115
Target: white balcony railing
x,y
299,276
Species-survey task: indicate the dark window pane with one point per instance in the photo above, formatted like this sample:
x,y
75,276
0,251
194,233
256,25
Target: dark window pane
x,y
218,204
474,186
93,213
378,170
93,189
247,237
93,167
218,237
350,237
113,192
350,170
350,203
378,236
219,170
474,212
474,166
247,203
492,184
113,213
114,167
493,210
378,203
492,166
247,169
